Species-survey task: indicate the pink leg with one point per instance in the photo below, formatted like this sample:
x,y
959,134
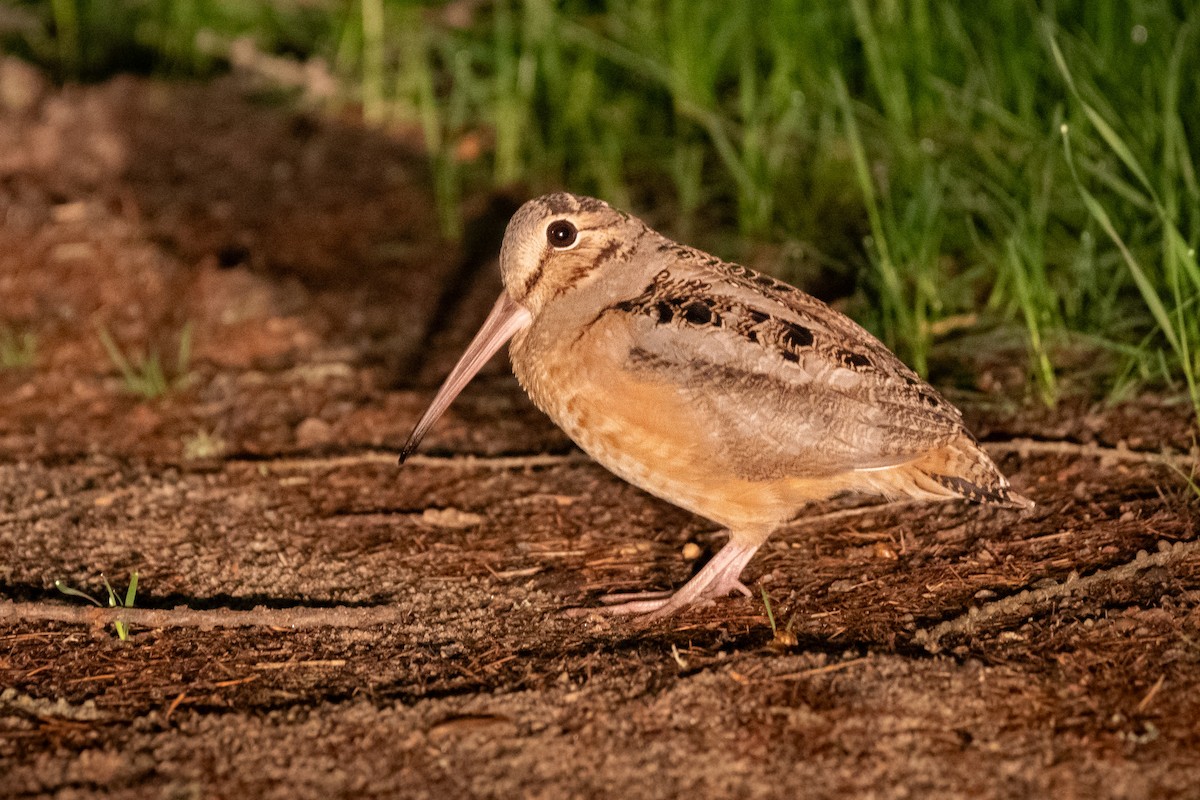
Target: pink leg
x,y
718,578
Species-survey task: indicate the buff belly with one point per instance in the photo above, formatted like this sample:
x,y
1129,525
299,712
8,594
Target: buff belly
x,y
646,434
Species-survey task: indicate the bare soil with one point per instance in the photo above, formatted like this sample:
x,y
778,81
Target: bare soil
x,y
930,650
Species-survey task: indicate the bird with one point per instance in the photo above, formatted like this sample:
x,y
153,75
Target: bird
x,y
717,388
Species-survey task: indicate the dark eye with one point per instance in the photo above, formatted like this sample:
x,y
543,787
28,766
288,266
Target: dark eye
x,y
561,233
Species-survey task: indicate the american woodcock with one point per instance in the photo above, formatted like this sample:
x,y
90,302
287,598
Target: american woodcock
x,y
714,387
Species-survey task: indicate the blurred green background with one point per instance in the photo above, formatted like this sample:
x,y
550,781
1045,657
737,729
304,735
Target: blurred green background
x,y
1012,172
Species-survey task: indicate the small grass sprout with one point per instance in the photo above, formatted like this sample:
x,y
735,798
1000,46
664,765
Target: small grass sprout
x,y
114,601
203,445
17,349
144,375
1191,475
781,639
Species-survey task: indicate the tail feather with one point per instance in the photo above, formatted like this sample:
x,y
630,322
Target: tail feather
x,y
991,495
960,469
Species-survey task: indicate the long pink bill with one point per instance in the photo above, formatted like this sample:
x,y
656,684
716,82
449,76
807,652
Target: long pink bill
x,y
506,319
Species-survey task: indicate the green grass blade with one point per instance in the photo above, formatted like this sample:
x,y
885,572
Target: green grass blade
x,y
131,592
67,590
112,596
116,356
767,603
1120,148
183,356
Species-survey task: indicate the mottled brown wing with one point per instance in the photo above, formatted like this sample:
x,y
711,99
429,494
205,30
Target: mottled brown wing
x,y
784,385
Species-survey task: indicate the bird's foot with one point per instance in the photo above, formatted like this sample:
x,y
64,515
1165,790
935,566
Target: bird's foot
x,y
718,578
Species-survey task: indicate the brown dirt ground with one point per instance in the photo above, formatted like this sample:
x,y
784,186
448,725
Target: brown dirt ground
x,y
302,250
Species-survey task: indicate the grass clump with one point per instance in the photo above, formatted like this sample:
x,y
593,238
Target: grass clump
x,y
143,375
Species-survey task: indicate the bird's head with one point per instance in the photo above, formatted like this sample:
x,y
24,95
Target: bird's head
x,y
560,242
554,245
